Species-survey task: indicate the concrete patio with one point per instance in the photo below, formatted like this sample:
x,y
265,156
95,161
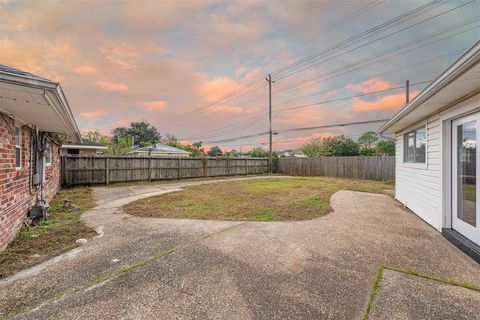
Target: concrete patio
x,y
146,268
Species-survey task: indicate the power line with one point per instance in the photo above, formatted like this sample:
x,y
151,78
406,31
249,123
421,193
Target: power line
x,y
357,36
348,18
236,92
351,97
376,40
346,70
299,129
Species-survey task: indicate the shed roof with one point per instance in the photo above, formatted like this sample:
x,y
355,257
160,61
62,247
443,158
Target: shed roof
x,y
161,148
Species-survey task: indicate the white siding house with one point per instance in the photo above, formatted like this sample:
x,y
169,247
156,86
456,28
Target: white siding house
x,y
437,159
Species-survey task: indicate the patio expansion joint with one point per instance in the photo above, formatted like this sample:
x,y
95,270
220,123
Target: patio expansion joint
x,y
106,277
413,272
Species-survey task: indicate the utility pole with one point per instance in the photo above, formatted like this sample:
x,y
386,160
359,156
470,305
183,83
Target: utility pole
x,y
269,80
407,91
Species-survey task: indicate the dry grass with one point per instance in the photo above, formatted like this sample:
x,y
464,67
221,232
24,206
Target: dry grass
x,y
259,199
33,245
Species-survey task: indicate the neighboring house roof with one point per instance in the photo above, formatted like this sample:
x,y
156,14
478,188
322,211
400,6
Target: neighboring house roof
x,y
37,101
457,83
7,69
161,148
86,144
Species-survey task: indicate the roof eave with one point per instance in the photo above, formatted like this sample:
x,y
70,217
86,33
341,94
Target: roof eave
x,y
464,63
55,89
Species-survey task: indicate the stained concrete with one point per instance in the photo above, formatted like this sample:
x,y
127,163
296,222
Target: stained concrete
x,y
405,296
196,269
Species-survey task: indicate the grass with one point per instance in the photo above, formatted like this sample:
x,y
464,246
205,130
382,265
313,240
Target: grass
x,y
276,199
47,239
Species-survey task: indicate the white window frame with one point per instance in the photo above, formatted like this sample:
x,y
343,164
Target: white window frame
x,y
405,144
19,146
49,144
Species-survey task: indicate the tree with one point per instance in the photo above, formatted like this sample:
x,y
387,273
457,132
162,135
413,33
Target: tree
x,y
341,147
314,148
367,139
142,133
93,135
386,147
233,153
169,139
258,152
214,152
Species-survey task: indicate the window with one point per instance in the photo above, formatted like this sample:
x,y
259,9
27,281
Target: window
x,y
48,153
18,147
415,145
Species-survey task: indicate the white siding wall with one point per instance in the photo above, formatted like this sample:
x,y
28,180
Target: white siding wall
x,y
418,186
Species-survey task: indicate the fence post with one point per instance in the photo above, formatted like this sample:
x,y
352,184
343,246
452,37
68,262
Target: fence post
x,y
206,166
227,171
179,170
149,168
246,166
107,173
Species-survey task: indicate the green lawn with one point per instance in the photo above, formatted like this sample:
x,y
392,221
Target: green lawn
x,y
33,245
257,199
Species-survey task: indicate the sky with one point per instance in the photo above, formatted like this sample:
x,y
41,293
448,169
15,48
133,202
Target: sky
x,y
169,62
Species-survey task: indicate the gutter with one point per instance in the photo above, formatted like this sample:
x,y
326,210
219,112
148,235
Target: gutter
x,y
76,146
465,62
50,86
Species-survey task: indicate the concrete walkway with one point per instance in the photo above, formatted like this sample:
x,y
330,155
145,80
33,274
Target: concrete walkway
x,y
147,268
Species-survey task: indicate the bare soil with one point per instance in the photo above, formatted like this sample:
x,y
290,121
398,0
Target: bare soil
x,y
47,239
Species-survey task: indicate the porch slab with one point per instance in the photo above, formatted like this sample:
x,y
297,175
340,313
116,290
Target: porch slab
x,y
405,296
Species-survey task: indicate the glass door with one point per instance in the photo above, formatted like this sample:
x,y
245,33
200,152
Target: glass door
x,y
465,166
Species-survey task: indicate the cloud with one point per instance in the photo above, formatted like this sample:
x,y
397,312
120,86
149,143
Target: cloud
x,y
214,89
111,86
92,115
370,85
240,71
84,69
390,103
153,105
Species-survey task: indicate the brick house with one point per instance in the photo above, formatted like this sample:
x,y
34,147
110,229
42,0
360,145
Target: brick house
x,y
35,119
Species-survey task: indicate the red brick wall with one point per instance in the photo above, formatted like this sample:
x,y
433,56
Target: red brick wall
x,y
15,196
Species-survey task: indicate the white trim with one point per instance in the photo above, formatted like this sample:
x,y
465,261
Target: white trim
x,y
47,164
461,65
19,146
466,229
414,127
76,146
50,90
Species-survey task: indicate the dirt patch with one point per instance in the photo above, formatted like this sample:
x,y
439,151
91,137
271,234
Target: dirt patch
x,y
47,239
259,199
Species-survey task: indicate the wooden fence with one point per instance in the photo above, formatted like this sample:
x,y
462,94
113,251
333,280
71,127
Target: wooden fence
x,y
77,170
375,168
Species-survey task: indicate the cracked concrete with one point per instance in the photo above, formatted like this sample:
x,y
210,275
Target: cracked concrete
x,y
197,269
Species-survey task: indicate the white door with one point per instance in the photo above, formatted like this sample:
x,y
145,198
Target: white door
x,y
465,177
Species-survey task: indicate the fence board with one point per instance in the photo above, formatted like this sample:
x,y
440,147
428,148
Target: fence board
x,y
375,168
78,170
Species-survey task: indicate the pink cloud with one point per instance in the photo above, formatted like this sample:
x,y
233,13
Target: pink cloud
x,y
214,89
370,85
388,103
84,69
240,71
91,115
111,86
153,105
